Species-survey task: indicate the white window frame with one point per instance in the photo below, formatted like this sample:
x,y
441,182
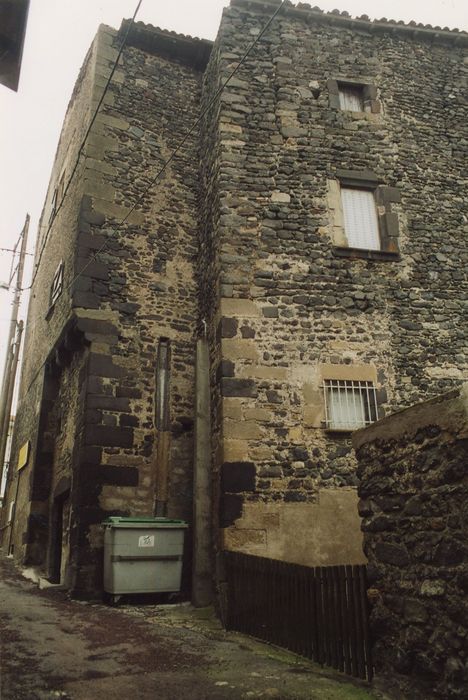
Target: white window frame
x,y
360,217
349,404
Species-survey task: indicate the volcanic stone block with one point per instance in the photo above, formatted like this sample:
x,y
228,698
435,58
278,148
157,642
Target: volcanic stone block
x,y
119,476
108,436
231,386
230,509
237,477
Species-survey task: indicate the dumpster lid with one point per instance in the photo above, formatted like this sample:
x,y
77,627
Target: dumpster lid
x,y
115,519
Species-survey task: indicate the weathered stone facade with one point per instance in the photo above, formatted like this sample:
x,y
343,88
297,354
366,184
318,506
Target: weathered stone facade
x,y
293,306
125,288
413,489
242,237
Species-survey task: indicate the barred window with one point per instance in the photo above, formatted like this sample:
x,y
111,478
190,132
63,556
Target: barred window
x,y
349,404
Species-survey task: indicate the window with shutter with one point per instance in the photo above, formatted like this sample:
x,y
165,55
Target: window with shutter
x,y
360,218
351,98
363,221
53,206
57,284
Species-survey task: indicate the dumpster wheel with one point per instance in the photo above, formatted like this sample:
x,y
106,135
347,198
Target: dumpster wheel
x,y
111,598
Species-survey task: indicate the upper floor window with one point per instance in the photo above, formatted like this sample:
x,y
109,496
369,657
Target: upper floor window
x,y
351,97
57,285
361,224
53,206
57,197
363,221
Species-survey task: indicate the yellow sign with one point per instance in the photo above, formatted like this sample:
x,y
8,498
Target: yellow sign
x,y
23,456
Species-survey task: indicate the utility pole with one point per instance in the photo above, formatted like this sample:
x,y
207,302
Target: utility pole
x,y
13,346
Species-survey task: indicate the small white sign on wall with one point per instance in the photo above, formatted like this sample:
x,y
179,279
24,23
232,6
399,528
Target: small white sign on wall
x,y
146,541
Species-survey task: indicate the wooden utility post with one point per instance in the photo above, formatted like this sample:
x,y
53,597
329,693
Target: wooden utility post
x,y
13,347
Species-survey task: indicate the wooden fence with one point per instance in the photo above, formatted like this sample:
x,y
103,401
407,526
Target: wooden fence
x,y
317,612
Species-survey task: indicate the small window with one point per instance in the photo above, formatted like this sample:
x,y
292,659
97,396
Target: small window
x,y
349,405
57,285
361,223
351,97
53,206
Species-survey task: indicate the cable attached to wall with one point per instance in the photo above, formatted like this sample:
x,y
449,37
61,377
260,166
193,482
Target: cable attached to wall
x,y
83,143
176,150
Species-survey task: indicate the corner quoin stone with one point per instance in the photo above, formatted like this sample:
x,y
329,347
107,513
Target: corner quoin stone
x,y
232,386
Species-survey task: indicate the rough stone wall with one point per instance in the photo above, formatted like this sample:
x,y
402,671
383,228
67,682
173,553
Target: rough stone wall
x,y
413,489
295,310
143,288
133,284
45,324
209,263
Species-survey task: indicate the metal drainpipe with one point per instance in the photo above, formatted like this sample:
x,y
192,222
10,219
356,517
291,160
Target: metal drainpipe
x,y
162,420
202,571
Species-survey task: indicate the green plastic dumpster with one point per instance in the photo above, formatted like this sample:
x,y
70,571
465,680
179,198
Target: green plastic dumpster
x,y
142,555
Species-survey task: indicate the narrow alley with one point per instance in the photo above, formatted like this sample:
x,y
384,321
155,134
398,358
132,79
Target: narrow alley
x,y
52,647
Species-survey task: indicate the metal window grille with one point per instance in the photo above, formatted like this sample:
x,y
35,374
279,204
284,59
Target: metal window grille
x,y
351,98
349,404
360,218
57,284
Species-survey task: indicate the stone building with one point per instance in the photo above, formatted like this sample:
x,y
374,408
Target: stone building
x,y
311,227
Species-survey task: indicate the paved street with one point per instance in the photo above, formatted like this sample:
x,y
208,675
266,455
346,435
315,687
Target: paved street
x,y
52,647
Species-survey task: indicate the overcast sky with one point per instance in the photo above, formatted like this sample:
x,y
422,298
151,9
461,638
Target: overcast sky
x,y
58,35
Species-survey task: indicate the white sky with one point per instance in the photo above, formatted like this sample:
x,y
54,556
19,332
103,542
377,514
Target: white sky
x,y
58,35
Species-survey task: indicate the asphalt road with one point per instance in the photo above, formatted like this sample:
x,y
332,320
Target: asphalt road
x,y
53,647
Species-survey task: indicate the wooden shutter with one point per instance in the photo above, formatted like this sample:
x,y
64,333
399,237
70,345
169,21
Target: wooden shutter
x,y
351,98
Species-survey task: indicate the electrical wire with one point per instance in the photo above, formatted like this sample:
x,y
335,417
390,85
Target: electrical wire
x,y
83,143
165,164
11,250
182,142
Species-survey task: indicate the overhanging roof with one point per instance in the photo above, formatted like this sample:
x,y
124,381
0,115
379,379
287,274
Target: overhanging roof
x,y
186,49
13,19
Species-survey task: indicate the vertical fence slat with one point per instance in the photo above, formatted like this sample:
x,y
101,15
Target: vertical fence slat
x,y
321,594
336,619
365,625
358,624
344,620
327,615
351,617
309,592
316,627
339,619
